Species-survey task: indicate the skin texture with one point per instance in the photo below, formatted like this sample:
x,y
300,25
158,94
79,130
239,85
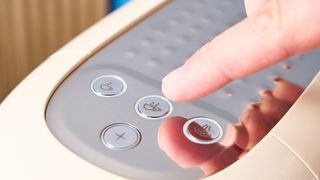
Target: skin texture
x,y
273,31
255,122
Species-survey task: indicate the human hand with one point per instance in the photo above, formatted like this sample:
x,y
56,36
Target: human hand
x,y
273,31
255,122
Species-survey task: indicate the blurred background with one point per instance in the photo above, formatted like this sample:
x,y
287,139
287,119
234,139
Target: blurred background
x,y
31,30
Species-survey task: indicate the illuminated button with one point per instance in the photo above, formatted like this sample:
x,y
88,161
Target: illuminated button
x,y
120,136
108,86
202,130
153,107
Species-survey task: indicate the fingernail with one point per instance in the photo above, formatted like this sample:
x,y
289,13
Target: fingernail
x,y
277,79
254,106
172,76
265,92
286,67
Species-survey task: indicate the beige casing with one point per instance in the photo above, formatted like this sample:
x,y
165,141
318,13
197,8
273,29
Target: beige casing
x,y
29,151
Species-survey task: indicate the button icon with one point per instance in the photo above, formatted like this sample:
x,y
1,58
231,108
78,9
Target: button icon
x,y
120,136
153,107
202,130
108,86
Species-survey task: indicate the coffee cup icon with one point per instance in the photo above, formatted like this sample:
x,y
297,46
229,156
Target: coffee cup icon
x,y
152,106
203,131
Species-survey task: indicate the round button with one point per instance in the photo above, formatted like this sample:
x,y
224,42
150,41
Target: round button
x,y
108,86
202,130
120,136
153,107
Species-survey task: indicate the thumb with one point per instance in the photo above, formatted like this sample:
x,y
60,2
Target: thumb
x,y
280,30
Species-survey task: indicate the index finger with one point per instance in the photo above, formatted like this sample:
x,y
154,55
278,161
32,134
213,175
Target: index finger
x,y
261,40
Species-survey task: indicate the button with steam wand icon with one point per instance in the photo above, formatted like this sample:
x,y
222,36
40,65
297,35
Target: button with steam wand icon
x,y
153,107
108,86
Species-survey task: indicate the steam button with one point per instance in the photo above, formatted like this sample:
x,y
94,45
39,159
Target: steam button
x,y
108,86
153,107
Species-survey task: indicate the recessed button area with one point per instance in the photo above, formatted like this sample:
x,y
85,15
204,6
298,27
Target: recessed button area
x,y
153,107
202,130
108,86
120,136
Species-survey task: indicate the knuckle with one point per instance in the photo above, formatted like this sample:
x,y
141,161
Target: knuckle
x,y
268,21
